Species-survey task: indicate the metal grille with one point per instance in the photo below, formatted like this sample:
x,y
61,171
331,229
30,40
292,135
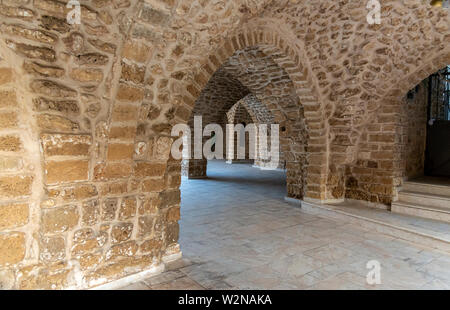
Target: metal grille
x,y
439,95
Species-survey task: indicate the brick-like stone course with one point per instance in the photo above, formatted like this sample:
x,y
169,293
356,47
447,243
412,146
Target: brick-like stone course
x,y
86,113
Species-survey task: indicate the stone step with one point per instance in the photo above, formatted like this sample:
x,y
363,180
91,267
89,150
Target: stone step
x,y
425,188
434,213
430,200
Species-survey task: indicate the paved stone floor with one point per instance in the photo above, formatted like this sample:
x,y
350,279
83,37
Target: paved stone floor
x,y
238,233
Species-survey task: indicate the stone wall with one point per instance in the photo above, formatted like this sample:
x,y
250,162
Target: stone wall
x,y
88,190
239,114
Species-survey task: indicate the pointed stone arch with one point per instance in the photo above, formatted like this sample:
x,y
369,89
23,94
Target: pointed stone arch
x,y
290,60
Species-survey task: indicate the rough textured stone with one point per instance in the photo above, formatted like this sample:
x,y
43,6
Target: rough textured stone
x,y
59,219
15,186
12,247
67,171
103,98
121,232
13,215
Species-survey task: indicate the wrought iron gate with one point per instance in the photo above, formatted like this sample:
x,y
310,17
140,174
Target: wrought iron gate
x,y
437,157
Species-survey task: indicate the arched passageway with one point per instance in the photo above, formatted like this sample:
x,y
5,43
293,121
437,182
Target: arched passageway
x,y
89,192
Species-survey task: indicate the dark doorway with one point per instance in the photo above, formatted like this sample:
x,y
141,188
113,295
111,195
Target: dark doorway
x,y
437,156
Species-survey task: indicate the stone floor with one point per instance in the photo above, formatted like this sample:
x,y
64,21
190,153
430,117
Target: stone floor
x,y
237,232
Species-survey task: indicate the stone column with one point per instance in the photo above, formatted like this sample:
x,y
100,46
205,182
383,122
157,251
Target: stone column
x,y
197,168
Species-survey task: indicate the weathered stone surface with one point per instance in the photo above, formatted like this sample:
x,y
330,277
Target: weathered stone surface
x,y
53,23
128,208
52,249
129,93
66,171
121,232
7,279
59,220
31,34
112,171
33,52
16,12
10,143
48,122
146,226
109,209
8,99
90,213
149,205
66,107
129,248
66,145
73,193
104,46
52,89
334,85
146,169
41,70
153,185
15,186
12,247
87,75
133,73
13,215
8,120
6,75
136,51
10,164
124,112
118,151
151,246
94,59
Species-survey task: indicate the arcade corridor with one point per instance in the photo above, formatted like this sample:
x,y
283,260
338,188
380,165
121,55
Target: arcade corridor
x,y
237,232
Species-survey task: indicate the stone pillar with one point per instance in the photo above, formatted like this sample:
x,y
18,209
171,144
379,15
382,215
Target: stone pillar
x,y
197,168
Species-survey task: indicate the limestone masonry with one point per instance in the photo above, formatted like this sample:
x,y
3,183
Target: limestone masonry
x,y
88,190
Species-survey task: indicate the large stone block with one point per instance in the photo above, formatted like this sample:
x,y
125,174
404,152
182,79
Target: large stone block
x,y
130,93
73,193
136,51
128,208
109,209
8,120
118,151
129,248
33,52
52,249
66,145
87,75
146,226
15,186
65,107
121,232
66,171
13,215
90,213
10,143
6,75
8,99
48,122
125,112
12,248
59,220
148,169
112,171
